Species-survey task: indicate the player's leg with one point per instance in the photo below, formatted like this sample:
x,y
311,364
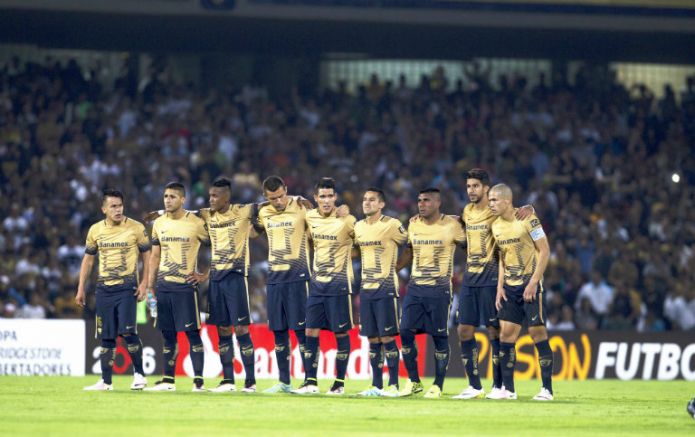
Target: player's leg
x,y
339,318
411,321
468,317
296,316
240,312
278,323
389,328
509,332
535,318
489,315
315,321
107,330
438,309
187,319
170,350
368,328
126,311
218,315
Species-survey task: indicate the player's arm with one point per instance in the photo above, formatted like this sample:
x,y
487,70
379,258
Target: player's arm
x,y
501,294
256,222
543,249
204,237
524,212
85,270
155,257
405,258
141,292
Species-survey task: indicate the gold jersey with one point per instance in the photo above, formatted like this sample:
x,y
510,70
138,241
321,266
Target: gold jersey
x,y
287,242
229,236
378,243
482,263
117,247
180,241
433,250
519,255
332,239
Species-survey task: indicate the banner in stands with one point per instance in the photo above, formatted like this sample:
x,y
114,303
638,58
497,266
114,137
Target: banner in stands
x,y
42,347
598,355
263,340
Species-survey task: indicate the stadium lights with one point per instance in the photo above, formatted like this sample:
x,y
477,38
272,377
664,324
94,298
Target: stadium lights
x,y
675,178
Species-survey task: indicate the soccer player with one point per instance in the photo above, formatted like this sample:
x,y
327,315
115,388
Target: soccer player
x,y
378,237
176,240
524,252
117,240
329,305
477,297
230,227
432,240
284,221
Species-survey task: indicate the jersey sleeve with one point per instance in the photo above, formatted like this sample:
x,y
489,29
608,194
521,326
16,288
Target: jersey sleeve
x,y
534,228
143,240
155,233
398,232
350,225
202,232
204,213
459,235
91,246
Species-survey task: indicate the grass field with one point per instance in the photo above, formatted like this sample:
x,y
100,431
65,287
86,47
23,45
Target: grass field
x,y
58,406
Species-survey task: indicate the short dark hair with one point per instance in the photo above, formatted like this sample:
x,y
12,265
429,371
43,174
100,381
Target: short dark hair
x,y
178,186
327,183
273,183
222,182
479,174
378,191
429,190
110,192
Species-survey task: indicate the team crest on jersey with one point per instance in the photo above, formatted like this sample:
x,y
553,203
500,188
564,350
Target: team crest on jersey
x,y
535,222
401,229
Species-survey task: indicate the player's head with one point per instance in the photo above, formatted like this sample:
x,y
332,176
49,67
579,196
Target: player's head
x,y
220,193
325,195
373,201
477,185
500,199
112,205
275,191
428,202
174,196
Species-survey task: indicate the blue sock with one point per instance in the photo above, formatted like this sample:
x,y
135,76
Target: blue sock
x,y
496,367
282,355
247,357
409,351
341,358
507,362
134,346
197,353
545,359
469,356
376,364
392,360
170,352
107,355
441,360
226,345
311,358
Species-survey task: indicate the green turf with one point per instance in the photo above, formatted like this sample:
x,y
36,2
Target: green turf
x,y
58,406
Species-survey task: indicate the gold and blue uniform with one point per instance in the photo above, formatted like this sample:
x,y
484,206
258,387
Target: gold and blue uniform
x,y
479,289
180,240
288,260
228,295
515,240
117,248
379,243
330,305
426,306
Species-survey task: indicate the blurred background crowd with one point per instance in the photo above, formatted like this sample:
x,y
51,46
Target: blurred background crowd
x,y
609,170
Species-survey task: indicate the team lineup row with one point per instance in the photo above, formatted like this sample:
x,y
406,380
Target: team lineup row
x,y
507,253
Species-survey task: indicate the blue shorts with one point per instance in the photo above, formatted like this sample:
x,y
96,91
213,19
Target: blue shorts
x,y
228,301
333,313
116,310
517,311
379,317
477,306
287,305
177,310
426,309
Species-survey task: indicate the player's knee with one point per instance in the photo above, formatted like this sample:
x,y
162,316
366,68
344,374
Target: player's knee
x,y
407,336
465,332
224,331
131,338
341,334
313,332
538,333
108,343
241,330
169,337
374,340
387,339
493,332
441,343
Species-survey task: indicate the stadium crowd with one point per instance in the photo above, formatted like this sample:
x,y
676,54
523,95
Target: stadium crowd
x,y
609,171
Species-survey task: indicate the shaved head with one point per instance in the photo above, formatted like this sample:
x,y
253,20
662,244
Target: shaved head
x,y
503,192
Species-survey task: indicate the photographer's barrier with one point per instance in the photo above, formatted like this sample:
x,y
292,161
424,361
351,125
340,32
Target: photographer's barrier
x,y
264,344
31,347
581,355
